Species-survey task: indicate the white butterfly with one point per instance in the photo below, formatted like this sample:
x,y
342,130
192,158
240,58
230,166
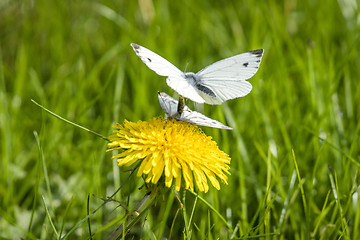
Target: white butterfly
x,y
216,83
170,107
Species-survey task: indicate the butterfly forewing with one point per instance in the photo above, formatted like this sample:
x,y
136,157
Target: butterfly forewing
x,y
239,67
168,104
156,63
197,118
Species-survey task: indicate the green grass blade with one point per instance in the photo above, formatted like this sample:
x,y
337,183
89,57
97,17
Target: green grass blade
x,y
303,197
214,210
69,122
101,206
50,220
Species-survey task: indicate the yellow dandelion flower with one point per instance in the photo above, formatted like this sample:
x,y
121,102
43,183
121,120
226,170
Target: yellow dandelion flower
x,y
177,149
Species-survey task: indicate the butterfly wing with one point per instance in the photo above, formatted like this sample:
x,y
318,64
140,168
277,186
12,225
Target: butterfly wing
x,y
227,78
176,79
184,88
197,118
156,63
169,105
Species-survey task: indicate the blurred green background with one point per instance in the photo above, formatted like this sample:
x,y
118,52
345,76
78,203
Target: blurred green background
x,y
74,58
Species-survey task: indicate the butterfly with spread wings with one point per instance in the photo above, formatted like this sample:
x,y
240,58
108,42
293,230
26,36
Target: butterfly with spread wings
x,y
185,114
215,84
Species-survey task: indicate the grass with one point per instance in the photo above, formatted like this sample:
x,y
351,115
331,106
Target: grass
x,y
295,146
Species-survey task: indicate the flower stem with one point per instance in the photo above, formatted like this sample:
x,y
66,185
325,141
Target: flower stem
x,y
149,199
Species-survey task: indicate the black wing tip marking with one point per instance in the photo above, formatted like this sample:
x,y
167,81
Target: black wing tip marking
x,y
162,94
135,46
258,52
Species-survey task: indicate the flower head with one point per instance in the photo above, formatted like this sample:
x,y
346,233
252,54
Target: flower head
x,y
177,149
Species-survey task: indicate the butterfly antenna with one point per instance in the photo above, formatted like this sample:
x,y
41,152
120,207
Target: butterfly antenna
x,y
181,105
186,66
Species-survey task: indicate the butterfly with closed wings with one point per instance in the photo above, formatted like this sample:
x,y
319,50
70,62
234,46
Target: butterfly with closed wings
x,y
185,114
215,84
